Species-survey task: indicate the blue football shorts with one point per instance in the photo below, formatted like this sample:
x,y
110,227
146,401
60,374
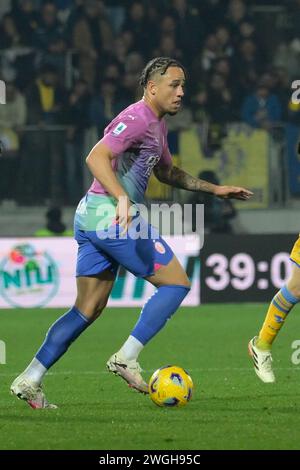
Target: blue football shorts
x,y
97,251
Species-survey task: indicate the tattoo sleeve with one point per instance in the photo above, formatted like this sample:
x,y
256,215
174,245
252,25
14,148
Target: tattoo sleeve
x,y
178,178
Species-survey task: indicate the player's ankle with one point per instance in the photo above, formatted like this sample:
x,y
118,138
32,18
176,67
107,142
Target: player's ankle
x,y
127,356
131,349
263,345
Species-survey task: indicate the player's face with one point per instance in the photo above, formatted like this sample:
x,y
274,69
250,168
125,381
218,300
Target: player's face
x,y
170,90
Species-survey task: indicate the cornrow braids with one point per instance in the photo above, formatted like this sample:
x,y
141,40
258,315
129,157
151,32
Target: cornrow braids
x,y
159,64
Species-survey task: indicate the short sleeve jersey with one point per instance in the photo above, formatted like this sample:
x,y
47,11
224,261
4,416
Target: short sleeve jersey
x,y
138,140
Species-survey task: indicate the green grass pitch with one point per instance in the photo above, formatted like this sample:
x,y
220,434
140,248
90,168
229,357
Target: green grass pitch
x,y
230,409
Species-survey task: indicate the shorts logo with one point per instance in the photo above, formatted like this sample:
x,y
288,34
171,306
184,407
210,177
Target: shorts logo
x,y
160,248
120,128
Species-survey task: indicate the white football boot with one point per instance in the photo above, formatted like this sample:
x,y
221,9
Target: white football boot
x,y
30,392
130,371
262,361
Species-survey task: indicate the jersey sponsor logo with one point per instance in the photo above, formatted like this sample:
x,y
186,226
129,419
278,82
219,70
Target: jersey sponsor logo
x,y
151,162
119,129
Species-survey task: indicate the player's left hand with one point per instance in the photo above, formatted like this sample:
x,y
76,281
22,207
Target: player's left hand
x,y
233,192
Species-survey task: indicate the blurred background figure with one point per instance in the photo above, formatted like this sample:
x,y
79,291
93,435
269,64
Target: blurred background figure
x,y
78,104
218,213
54,226
12,117
262,109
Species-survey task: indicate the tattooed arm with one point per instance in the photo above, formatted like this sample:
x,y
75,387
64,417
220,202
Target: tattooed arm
x,y
178,178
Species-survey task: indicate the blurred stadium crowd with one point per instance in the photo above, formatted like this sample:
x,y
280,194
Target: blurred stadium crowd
x,y
72,65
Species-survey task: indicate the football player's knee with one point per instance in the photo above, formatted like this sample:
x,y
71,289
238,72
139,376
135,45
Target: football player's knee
x,y
186,282
92,309
294,289
95,310
100,307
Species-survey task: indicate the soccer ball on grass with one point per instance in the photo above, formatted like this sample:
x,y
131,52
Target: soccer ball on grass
x,y
170,386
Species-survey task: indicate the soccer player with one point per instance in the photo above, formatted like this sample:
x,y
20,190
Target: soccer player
x,y
134,144
260,346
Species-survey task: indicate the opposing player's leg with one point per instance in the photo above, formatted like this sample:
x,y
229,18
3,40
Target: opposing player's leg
x,y
93,293
282,303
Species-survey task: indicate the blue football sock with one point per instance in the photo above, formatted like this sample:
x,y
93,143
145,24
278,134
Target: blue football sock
x,y
157,310
60,335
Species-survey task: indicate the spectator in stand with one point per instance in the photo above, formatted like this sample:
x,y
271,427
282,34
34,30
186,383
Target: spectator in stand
x,y
134,63
225,46
248,66
218,213
79,102
212,12
43,152
287,55
64,9
120,50
246,30
222,66
54,226
17,60
190,27
209,52
112,71
46,98
49,28
9,34
136,23
168,27
26,19
236,14
12,118
105,105
55,55
13,114
91,37
261,109
219,104
168,48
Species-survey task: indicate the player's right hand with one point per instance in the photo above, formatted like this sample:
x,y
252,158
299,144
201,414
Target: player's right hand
x,y
123,215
